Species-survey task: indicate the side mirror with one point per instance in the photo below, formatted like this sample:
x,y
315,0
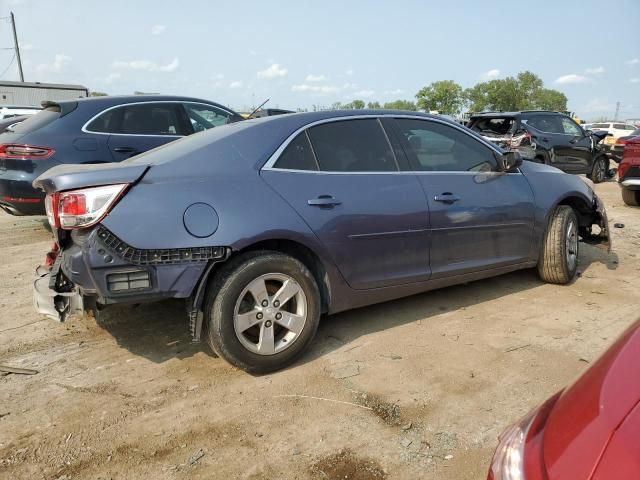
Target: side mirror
x,y
510,161
588,132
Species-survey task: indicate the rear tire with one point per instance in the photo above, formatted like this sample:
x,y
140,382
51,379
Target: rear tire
x,y
262,311
600,170
631,197
558,261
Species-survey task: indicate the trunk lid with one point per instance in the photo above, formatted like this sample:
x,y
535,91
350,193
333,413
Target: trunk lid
x,y
70,177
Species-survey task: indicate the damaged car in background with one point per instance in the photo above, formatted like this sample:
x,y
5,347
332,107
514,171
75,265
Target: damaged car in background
x,y
264,225
545,137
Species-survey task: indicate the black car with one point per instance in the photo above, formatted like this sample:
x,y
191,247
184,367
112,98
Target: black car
x,y
94,130
546,137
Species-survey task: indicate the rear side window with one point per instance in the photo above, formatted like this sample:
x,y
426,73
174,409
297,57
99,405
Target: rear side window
x,y
619,126
352,146
139,119
493,125
600,125
546,123
298,155
436,147
39,120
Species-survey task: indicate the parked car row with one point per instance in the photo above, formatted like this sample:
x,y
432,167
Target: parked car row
x,y
545,137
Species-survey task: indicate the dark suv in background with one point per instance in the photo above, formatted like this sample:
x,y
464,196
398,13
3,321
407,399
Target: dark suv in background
x,y
546,137
94,130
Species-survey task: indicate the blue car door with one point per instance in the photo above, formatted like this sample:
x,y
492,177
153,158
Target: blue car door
x,y
342,178
138,127
480,218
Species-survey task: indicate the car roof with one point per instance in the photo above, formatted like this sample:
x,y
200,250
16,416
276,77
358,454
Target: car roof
x,y
114,100
515,114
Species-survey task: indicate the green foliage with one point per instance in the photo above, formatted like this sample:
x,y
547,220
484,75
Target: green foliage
x,y
98,94
373,105
525,92
444,96
401,105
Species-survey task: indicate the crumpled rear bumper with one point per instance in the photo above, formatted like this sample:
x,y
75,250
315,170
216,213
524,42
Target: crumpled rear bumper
x,y
48,301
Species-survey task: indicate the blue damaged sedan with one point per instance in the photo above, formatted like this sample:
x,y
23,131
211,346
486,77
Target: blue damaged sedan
x,y
262,226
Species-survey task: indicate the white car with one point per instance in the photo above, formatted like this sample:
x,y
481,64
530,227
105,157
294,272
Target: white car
x,y
616,129
7,111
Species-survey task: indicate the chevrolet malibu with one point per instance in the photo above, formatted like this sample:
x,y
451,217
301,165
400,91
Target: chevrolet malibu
x,y
262,226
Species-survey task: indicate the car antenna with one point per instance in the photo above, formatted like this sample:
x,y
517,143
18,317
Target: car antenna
x,y
258,108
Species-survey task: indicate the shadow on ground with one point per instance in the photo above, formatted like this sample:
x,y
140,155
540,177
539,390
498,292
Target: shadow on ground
x,y
159,331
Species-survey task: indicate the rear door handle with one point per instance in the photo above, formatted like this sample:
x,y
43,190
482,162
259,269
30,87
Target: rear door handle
x,y
446,197
324,201
125,150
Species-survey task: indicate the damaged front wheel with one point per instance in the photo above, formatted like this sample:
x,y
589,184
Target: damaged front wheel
x,y
558,260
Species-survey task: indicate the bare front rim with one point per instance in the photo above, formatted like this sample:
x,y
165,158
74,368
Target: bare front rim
x,y
270,314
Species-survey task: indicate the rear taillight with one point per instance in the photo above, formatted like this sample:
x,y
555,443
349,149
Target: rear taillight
x,y
520,140
82,208
17,151
622,141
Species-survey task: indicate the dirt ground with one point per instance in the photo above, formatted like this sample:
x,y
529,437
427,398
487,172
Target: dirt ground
x,y
415,388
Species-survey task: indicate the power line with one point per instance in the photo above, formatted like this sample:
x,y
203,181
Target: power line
x,y
8,66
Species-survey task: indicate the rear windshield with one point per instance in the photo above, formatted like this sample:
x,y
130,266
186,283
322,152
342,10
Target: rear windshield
x,y
39,120
493,125
600,125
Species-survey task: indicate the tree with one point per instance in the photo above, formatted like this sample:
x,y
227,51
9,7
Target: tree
x,y
444,96
98,94
524,92
549,99
373,105
401,105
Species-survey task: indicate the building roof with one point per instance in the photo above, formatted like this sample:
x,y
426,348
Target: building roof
x,y
52,86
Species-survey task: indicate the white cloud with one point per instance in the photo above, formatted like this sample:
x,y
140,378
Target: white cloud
x,y
315,78
634,80
319,89
571,78
349,86
633,61
147,65
236,84
491,74
397,91
274,71
364,93
112,77
158,29
594,70
350,72
59,62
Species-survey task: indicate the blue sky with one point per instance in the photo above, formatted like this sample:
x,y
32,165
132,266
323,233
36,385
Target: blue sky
x,y
302,53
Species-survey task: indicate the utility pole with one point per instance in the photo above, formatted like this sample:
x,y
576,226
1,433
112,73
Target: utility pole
x,y
615,117
15,42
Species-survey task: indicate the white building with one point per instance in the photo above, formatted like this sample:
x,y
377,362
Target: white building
x,y
33,94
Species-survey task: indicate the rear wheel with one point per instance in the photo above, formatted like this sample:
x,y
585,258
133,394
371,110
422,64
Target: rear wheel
x,y
600,169
631,197
262,311
559,257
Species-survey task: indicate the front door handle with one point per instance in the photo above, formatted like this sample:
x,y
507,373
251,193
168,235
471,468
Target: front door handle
x,y
446,197
324,201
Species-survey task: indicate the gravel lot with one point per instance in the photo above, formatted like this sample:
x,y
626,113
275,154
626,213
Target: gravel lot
x,y
415,388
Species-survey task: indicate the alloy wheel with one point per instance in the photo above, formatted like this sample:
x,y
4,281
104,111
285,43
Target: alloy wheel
x,y
270,314
571,244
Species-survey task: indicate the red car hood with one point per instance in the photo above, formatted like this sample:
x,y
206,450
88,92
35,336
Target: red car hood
x,y
595,412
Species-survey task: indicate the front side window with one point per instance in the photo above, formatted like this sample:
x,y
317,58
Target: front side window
x,y
437,147
139,119
546,123
352,146
569,127
204,117
298,155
